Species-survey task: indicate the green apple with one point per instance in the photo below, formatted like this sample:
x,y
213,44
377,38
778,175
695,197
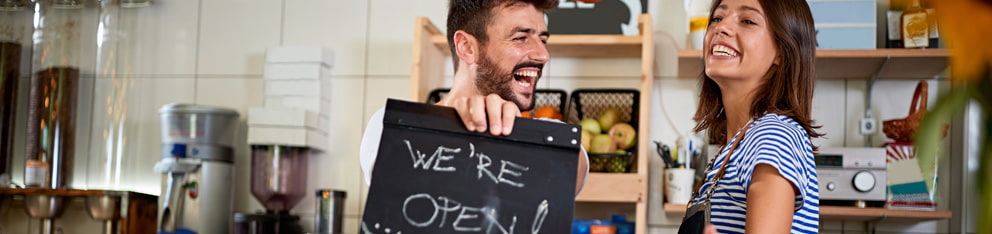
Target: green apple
x,y
591,125
624,135
608,118
587,139
620,151
602,144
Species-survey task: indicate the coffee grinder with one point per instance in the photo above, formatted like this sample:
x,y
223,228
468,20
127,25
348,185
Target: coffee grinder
x,y
198,169
278,181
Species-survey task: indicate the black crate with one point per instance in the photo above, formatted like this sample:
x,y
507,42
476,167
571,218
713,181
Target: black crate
x,y
589,103
543,97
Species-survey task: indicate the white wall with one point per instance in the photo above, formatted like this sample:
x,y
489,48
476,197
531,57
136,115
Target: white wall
x,y
211,52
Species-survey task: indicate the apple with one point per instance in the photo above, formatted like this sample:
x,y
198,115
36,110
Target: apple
x,y
591,125
587,139
602,144
624,135
608,118
620,151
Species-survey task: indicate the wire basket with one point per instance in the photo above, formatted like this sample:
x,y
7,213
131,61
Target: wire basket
x,y
542,97
590,103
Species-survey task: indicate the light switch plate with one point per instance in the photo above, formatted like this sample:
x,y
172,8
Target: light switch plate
x,y
868,126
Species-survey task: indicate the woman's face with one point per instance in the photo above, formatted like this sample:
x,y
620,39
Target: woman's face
x,y
739,42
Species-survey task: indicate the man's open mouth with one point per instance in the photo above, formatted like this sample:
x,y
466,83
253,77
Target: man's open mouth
x,y
525,78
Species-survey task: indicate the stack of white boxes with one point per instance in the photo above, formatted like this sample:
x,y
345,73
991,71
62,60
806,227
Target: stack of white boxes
x,y
297,98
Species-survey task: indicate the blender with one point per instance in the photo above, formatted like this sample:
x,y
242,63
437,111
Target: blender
x,y
197,167
278,181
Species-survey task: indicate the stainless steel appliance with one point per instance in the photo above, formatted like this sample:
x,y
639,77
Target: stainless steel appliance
x,y
278,181
851,174
197,167
330,211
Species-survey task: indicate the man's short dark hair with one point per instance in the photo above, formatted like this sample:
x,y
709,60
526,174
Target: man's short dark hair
x,y
472,16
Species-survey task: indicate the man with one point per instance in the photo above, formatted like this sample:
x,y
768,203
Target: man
x,y
498,48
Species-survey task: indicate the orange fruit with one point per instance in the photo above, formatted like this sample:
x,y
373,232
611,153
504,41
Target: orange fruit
x,y
547,112
526,114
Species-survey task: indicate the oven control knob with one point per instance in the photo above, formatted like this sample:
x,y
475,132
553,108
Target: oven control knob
x,y
863,181
831,186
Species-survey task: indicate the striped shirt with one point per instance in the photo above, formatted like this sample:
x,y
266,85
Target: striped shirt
x,y
777,141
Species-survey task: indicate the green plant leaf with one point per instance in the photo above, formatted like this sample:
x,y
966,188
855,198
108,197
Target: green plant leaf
x,y
931,132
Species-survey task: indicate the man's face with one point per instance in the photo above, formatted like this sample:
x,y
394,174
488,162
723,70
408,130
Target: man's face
x,y
511,60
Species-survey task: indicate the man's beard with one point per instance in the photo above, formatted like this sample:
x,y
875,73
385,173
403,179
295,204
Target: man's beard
x,y
491,79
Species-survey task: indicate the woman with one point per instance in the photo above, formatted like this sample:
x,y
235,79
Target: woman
x,y
755,102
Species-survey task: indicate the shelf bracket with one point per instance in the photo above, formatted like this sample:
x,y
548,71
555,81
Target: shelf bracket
x,y
869,117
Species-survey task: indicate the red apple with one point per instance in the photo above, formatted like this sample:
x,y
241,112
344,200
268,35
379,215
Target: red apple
x,y
624,135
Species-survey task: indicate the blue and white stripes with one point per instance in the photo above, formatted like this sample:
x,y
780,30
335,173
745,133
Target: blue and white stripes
x,y
777,141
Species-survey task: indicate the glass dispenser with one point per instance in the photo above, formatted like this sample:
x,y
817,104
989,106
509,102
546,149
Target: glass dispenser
x,y
62,36
16,17
111,160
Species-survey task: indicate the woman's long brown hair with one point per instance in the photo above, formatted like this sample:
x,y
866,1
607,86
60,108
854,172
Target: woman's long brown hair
x,y
789,90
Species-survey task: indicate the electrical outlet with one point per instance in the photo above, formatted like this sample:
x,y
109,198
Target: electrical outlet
x,y
868,126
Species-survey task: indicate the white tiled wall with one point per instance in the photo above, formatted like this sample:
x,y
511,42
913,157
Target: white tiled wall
x,y
234,35
211,52
339,25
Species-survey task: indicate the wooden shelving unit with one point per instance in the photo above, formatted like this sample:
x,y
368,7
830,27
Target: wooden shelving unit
x,y
853,64
430,49
850,213
138,209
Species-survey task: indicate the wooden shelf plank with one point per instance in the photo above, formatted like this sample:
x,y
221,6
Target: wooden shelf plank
x,y
853,64
51,192
850,213
594,46
613,187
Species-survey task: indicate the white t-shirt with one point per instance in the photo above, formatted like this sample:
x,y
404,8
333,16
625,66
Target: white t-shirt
x,y
373,134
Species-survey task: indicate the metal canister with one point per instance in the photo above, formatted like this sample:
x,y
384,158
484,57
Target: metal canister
x,y
330,210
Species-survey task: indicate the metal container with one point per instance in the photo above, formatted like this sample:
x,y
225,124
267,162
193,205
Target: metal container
x,y
330,211
197,124
106,208
46,208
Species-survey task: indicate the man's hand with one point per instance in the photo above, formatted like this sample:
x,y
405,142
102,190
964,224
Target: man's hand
x,y
475,110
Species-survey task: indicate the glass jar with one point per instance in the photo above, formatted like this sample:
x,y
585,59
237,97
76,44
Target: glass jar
x,y
16,17
62,39
111,161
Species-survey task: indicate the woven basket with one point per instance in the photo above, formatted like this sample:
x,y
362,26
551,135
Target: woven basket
x,y
904,130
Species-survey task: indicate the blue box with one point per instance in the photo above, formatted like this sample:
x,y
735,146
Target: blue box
x,y
844,24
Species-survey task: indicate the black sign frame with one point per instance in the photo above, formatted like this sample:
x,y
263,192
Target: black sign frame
x,y
433,176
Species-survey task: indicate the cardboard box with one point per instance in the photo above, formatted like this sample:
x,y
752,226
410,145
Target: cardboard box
x,y
849,24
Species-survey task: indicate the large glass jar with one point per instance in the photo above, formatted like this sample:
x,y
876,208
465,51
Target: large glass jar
x,y
63,42
112,161
16,17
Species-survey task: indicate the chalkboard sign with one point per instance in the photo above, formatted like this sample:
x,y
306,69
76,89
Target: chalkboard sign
x,y
432,176
603,17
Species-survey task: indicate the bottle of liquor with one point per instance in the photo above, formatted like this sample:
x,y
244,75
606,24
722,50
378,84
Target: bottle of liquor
x,y
915,26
